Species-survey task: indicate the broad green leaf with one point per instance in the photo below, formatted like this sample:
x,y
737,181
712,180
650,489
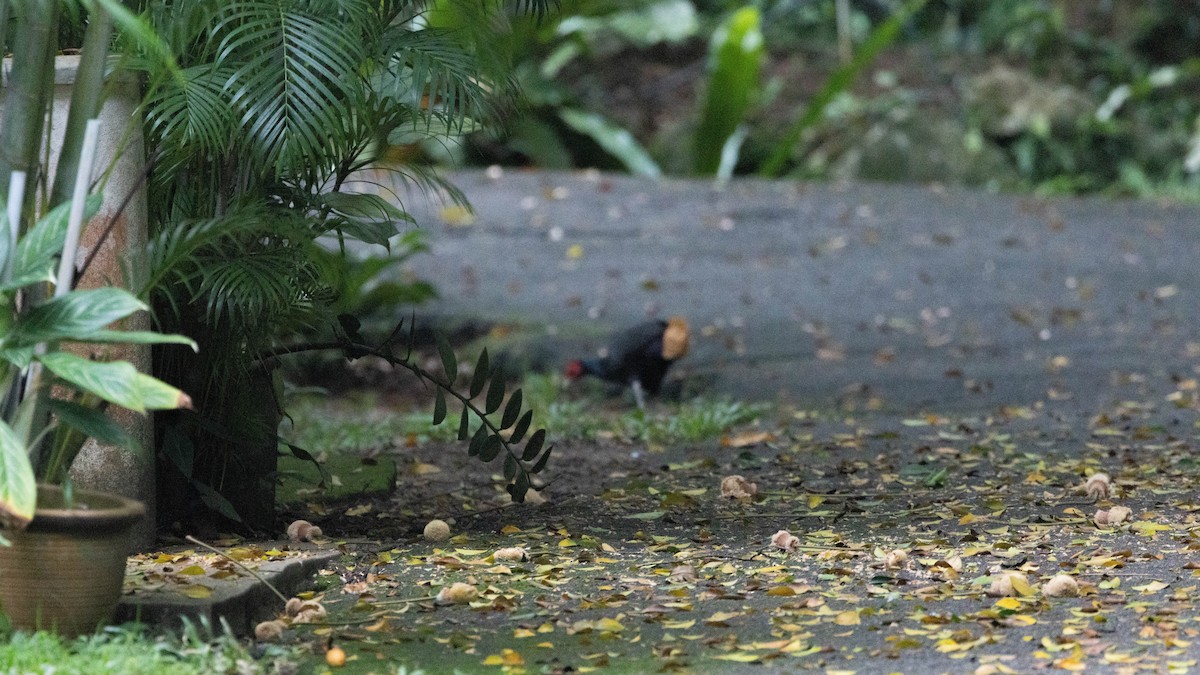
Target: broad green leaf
x,y
77,315
495,395
217,502
534,446
480,376
137,337
366,217
735,61
18,487
92,422
510,467
117,382
522,426
449,361
158,395
616,141
512,410
37,251
18,356
439,408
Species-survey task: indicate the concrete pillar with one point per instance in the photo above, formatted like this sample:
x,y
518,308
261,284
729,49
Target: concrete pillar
x,y
119,261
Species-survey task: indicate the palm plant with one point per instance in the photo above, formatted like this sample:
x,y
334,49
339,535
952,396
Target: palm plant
x,y
254,140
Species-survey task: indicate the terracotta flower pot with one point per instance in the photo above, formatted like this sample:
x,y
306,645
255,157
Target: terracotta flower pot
x,y
65,571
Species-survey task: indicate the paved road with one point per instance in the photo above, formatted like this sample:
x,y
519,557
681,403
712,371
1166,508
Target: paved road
x,y
898,297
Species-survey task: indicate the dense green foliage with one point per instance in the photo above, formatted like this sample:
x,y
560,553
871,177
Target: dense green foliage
x,y
1049,95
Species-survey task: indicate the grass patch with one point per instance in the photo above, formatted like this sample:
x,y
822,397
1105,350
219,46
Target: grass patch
x,y
356,424
697,420
130,650
359,424
587,417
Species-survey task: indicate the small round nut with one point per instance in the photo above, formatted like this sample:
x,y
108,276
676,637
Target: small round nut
x,y
437,530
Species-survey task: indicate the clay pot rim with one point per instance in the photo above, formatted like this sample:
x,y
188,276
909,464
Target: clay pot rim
x,y
100,512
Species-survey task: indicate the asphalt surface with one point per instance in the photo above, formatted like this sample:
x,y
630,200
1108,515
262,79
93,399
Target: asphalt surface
x,y
897,298
1047,339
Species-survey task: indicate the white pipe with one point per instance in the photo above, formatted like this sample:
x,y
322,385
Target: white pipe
x,y
16,195
83,180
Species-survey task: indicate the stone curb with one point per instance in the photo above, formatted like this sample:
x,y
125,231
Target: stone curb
x,y
240,601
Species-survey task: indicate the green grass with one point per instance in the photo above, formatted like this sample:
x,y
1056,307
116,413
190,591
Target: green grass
x,y
358,423
697,420
355,424
130,650
588,416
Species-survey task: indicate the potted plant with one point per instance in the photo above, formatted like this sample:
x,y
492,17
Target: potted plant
x,y
62,550
59,543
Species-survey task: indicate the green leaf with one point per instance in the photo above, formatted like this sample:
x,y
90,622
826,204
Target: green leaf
x,y
480,376
495,394
477,441
117,382
137,337
216,501
519,487
511,411
366,217
449,362
541,463
647,515
178,449
736,58
439,408
77,315
616,141
37,252
534,446
18,487
92,422
510,467
839,81
518,431
464,425
491,448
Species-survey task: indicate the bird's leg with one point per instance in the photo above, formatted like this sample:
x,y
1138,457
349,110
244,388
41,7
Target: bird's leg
x,y
639,396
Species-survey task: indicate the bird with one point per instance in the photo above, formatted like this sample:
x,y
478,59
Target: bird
x,y
637,357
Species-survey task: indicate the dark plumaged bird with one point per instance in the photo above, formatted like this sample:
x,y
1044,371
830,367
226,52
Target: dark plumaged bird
x,y
638,357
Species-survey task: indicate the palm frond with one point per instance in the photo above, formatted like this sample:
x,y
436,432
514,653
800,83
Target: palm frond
x,y
191,114
294,74
430,72
266,287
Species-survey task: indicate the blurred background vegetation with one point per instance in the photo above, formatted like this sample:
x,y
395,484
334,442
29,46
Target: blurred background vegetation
x,y
1051,96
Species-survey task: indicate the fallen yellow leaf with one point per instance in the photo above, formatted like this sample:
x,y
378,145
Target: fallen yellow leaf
x,y
739,657
198,591
1008,603
847,618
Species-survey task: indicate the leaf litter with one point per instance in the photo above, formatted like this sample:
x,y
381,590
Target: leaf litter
x,y
870,544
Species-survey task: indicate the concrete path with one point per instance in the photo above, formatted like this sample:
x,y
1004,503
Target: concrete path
x,y
899,298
